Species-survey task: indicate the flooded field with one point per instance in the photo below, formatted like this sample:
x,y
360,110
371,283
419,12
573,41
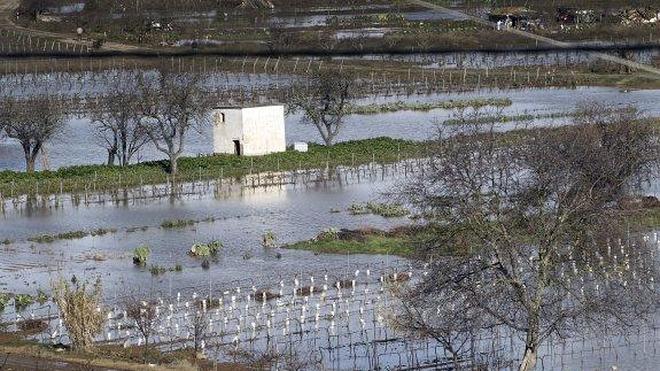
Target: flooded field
x,y
532,251
236,216
77,144
334,308
492,60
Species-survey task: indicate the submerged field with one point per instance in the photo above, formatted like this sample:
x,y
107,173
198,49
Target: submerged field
x,y
298,260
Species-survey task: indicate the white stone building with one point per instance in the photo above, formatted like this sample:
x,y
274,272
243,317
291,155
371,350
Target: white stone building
x,y
249,131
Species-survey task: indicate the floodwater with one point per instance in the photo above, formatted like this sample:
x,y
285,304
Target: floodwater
x,y
481,60
77,144
320,20
240,218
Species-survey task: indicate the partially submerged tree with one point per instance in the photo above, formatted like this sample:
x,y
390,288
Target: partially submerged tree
x,y
198,327
146,317
32,122
116,116
530,238
172,104
80,311
325,101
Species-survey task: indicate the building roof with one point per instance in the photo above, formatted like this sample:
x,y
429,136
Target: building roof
x,y
246,106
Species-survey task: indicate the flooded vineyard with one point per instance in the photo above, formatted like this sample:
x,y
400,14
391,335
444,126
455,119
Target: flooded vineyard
x,y
332,320
77,145
306,185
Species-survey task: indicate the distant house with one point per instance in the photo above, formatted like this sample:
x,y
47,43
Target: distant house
x,y
249,131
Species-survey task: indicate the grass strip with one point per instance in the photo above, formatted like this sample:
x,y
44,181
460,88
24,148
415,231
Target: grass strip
x,y
372,109
90,178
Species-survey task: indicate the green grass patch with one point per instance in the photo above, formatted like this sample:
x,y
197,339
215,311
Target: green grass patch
x,y
372,109
47,238
399,241
103,177
504,119
72,235
177,223
386,210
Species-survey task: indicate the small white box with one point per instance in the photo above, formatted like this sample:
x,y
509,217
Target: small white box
x,y
300,147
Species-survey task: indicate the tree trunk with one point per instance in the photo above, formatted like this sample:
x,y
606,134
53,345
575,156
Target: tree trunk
x,y
29,163
30,158
528,362
111,157
173,164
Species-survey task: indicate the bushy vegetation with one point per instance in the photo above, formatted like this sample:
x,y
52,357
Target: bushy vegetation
x,y
329,234
22,301
5,298
141,254
79,310
386,210
205,250
269,239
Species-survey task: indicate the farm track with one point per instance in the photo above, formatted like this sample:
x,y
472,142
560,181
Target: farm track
x,y
655,72
7,9
115,49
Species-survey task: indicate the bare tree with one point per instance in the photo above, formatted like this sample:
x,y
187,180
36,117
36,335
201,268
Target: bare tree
x,y
539,246
325,101
32,122
198,326
145,315
117,119
172,105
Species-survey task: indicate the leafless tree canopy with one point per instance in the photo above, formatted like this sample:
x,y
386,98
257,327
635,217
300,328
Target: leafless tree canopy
x,y
32,122
172,105
325,101
116,116
145,315
538,243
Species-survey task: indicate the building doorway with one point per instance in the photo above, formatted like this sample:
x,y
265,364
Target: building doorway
x,y
237,148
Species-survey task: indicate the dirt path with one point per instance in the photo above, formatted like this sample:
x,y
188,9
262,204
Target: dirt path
x,y
21,363
7,14
546,40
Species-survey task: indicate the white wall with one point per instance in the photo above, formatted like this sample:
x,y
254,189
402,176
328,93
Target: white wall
x,y
224,133
259,129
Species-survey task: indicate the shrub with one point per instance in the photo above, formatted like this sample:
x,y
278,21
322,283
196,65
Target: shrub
x,y
157,270
358,209
387,210
79,311
42,297
4,300
329,234
203,250
22,301
141,254
269,239
382,209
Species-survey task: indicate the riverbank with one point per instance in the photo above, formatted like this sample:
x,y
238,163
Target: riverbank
x,y
19,353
